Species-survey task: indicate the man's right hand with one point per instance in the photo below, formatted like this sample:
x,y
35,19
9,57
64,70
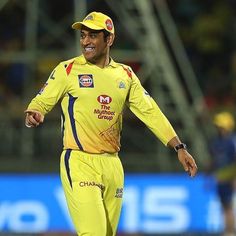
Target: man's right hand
x,y
33,118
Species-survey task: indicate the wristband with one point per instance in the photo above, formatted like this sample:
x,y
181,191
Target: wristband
x,y
180,146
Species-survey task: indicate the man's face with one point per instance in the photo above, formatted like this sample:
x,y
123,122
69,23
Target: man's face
x,y
94,46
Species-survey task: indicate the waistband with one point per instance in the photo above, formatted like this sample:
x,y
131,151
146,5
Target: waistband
x,y
93,154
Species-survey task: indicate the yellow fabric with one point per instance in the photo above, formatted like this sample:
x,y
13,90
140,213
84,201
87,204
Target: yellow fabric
x,y
93,186
227,173
92,109
96,21
224,120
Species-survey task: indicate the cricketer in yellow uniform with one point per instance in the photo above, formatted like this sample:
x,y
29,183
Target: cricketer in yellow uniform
x,y
92,101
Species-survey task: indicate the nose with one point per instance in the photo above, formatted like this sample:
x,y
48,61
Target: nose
x,y
85,40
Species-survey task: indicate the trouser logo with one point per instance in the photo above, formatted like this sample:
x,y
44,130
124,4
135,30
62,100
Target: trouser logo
x,y
119,193
91,183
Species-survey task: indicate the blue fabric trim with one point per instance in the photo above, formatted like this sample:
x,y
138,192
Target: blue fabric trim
x,y
63,124
67,157
72,120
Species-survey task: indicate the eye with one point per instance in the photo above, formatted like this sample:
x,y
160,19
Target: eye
x,y
82,36
93,35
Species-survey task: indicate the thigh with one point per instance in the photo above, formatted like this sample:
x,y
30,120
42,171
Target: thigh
x,y
87,211
83,193
113,195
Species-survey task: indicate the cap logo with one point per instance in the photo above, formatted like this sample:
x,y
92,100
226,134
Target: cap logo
x,y
89,17
109,24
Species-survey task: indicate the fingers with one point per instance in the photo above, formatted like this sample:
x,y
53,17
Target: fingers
x,y
33,119
192,167
188,163
30,121
40,117
185,165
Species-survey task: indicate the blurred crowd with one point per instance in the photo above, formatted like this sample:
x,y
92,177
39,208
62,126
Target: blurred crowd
x,y
19,71
207,29
11,39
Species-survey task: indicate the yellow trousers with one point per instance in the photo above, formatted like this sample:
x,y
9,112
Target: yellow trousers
x,y
93,186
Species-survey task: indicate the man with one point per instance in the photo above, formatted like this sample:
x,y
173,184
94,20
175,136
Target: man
x,y
223,152
93,90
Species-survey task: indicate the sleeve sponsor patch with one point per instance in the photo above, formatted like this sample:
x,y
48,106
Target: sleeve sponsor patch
x,y
42,89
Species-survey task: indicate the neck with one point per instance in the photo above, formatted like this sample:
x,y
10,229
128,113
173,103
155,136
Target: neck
x,y
103,61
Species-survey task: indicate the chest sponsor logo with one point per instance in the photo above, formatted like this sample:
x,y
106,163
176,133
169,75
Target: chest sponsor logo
x,y
104,99
104,111
86,81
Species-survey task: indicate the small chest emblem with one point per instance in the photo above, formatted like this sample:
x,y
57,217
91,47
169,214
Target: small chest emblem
x,y
122,85
86,81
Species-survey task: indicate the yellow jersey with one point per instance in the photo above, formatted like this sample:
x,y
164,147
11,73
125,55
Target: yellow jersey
x,y
92,101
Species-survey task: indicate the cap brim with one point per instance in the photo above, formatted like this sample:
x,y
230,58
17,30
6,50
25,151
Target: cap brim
x,y
78,25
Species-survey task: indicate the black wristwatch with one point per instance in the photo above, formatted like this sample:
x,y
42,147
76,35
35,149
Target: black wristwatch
x,y
180,146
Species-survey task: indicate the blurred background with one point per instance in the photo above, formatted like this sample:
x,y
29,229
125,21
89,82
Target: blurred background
x,y
184,53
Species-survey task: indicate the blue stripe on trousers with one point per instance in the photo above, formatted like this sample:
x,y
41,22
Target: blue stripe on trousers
x,y
67,157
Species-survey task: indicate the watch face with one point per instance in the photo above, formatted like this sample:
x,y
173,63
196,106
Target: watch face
x,y
180,146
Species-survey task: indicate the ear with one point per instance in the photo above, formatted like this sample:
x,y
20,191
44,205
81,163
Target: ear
x,y
110,39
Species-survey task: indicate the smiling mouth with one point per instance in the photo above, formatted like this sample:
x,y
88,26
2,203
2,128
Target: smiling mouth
x,y
89,49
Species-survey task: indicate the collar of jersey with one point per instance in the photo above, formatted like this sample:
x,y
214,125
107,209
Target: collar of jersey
x,y
82,61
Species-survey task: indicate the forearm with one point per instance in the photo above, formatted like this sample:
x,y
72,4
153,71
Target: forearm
x,y
37,106
173,142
